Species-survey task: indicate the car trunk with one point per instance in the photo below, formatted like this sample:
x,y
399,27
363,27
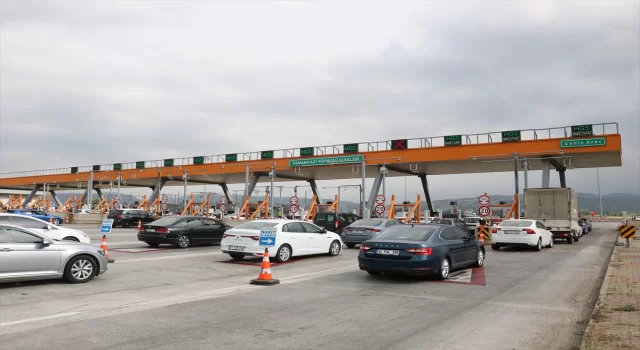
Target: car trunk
x,y
391,250
359,230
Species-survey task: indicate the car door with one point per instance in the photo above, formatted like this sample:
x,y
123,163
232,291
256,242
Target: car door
x,y
297,238
456,244
23,254
195,230
318,241
212,230
546,235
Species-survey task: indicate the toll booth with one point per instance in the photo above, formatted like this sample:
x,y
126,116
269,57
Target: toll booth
x,y
414,214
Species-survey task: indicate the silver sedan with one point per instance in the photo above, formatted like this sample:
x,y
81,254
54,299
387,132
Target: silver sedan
x,y
29,255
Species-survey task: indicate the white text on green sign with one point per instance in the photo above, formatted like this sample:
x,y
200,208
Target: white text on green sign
x,y
326,161
600,141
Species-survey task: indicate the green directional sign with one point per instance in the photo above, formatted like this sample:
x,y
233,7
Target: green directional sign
x,y
511,136
306,151
231,157
266,155
350,148
294,163
168,162
573,143
140,165
198,160
117,166
582,130
453,140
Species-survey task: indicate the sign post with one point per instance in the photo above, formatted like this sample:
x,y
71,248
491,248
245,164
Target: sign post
x,y
106,226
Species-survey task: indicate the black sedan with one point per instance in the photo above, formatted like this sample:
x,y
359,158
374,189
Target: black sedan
x,y
454,223
182,231
421,250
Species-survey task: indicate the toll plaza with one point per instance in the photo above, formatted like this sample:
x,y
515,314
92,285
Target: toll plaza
x,y
560,148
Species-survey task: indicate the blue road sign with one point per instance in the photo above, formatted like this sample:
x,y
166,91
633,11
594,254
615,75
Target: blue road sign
x,y
106,226
267,237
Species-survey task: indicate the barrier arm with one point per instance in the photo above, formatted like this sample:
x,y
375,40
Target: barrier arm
x,y
244,209
189,204
392,207
311,213
260,206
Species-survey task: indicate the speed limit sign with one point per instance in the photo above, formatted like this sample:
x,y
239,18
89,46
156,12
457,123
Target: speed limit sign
x,y
223,208
293,208
380,209
484,210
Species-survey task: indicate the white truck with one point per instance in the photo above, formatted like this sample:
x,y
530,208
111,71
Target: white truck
x,y
557,209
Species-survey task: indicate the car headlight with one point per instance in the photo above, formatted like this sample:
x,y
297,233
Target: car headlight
x,y
101,251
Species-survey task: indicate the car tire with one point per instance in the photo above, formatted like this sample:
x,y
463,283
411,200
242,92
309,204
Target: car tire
x,y
73,239
445,267
576,238
550,245
56,221
80,269
495,247
284,253
350,245
570,239
153,245
126,224
183,242
236,256
334,248
372,272
538,246
479,258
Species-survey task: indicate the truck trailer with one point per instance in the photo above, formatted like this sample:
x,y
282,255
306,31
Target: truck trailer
x,y
557,209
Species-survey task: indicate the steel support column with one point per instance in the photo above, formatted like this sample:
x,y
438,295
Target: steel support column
x,y
99,192
563,180
375,189
55,198
251,187
225,190
314,189
157,189
35,190
427,195
546,170
90,185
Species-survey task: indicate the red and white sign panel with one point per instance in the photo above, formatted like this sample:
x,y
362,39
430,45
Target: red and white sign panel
x,y
484,211
380,199
223,208
379,209
293,208
223,200
484,200
293,200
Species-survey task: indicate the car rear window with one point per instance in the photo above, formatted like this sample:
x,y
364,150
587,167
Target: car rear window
x,y
441,222
256,225
325,218
366,222
118,212
166,221
404,233
516,223
472,220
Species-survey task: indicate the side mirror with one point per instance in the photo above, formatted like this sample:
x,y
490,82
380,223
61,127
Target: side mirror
x,y
46,242
547,228
324,230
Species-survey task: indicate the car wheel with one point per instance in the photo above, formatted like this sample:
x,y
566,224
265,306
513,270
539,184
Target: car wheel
x,y
334,248
495,247
445,266
350,245
56,221
576,238
372,272
71,239
539,245
479,258
284,253
80,269
236,256
550,242
183,241
126,224
153,245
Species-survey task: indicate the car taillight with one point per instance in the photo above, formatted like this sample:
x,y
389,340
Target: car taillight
x,y
336,223
495,230
420,251
162,230
226,235
120,216
255,238
530,231
364,248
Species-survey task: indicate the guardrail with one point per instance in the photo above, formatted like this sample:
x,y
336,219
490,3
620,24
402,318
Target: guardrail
x,y
423,142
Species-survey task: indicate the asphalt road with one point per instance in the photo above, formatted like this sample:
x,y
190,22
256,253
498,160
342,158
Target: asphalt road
x,y
197,299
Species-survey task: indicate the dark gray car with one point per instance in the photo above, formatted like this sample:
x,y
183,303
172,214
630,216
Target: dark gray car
x,y
365,229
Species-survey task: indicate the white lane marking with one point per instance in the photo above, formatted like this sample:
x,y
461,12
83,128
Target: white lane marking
x,y
165,257
109,245
129,307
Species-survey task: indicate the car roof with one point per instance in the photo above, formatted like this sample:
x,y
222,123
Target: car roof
x,y
22,228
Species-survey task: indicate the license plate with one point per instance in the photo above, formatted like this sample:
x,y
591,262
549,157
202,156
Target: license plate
x,y
512,232
150,230
356,232
236,247
388,252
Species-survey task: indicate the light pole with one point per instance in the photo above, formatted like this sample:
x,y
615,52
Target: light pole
x,y
599,195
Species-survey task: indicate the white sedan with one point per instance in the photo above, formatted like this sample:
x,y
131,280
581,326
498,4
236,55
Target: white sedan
x,y
531,233
40,226
293,238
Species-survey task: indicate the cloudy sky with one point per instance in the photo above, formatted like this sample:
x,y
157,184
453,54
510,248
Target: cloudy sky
x,y
87,82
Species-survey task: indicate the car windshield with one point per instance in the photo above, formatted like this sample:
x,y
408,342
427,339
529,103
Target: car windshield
x,y
471,220
324,218
256,225
516,223
441,222
366,222
166,221
405,233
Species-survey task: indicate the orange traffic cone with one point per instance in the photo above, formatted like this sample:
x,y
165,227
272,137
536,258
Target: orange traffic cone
x,y
104,247
139,225
481,237
265,278
51,220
